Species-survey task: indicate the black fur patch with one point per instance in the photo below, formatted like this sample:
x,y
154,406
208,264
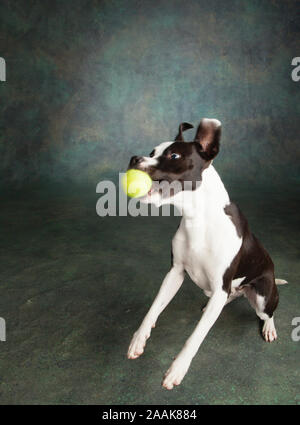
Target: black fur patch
x,y
252,261
187,168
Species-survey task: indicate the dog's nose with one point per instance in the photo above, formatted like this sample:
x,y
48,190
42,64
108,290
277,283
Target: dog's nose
x,y
135,160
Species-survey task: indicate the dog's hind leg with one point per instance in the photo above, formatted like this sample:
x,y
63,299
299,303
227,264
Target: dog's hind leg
x,y
263,296
168,289
235,294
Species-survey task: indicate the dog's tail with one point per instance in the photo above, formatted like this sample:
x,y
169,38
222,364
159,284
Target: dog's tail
x,y
280,282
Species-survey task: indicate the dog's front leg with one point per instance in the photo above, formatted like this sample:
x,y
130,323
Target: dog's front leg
x,y
168,289
182,362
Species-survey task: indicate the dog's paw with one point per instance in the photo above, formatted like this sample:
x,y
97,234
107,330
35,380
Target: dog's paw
x,y
176,373
269,331
137,345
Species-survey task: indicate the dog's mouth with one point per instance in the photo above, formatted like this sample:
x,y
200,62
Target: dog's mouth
x,y
151,190
160,187
154,188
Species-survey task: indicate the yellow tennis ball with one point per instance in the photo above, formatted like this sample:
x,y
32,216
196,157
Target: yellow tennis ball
x,y
136,183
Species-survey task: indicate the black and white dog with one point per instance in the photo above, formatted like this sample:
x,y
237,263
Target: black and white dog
x,y
213,243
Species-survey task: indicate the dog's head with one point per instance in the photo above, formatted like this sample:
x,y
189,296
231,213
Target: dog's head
x,y
178,166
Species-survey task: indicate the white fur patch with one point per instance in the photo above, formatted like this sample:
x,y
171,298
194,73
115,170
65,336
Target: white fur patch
x,y
206,241
269,331
260,306
158,150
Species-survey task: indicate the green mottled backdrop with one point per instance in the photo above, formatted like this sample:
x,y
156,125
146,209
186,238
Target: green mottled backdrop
x,y
89,83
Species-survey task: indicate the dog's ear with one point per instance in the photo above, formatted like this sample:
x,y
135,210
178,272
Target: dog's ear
x,y
183,126
208,138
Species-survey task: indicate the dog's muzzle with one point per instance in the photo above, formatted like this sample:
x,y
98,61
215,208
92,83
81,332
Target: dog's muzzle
x,y
135,161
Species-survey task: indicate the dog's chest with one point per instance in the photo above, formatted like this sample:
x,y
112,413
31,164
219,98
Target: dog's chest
x,y
205,247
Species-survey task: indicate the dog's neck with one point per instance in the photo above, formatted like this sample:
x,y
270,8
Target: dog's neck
x,y
208,199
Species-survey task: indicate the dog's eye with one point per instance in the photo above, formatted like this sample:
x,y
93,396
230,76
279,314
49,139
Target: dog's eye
x,y
151,154
175,156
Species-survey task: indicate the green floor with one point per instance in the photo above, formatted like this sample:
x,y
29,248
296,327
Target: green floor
x,y
74,287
